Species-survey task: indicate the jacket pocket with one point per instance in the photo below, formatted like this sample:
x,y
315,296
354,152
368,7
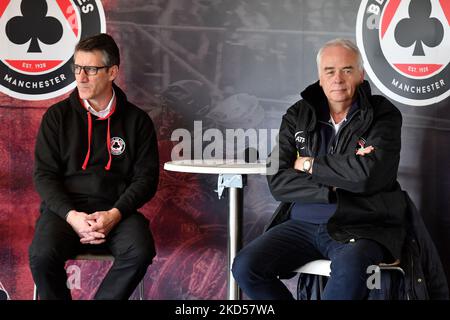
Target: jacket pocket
x,y
395,207
358,209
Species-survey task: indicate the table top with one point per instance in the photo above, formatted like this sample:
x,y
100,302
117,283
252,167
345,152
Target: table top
x,y
216,166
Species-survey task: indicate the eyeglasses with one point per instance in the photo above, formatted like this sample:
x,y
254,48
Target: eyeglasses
x,y
89,70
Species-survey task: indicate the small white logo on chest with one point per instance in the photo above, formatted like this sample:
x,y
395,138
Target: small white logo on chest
x,y
117,146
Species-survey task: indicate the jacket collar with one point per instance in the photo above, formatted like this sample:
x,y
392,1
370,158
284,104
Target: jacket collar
x,y
315,96
318,103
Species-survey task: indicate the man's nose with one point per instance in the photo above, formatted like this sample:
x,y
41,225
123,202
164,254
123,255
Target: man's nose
x,y
83,76
338,77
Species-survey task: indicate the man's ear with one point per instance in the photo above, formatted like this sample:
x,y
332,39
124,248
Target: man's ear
x,y
362,77
113,72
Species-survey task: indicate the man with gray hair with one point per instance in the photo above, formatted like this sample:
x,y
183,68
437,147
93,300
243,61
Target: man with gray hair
x,y
338,155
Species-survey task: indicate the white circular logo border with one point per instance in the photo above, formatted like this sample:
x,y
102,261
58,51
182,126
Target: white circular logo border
x,y
374,77
54,94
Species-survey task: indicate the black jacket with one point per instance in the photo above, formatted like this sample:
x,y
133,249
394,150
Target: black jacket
x,y
424,276
370,203
424,273
61,149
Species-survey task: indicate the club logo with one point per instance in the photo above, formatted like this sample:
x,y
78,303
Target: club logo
x,y
117,146
300,141
405,46
38,38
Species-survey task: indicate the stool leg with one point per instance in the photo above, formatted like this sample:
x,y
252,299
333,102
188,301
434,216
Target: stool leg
x,y
35,293
320,287
141,290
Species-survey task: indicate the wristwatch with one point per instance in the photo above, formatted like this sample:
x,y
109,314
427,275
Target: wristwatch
x,y
307,165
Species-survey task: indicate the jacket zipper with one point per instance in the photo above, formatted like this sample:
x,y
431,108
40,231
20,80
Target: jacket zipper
x,y
335,145
335,140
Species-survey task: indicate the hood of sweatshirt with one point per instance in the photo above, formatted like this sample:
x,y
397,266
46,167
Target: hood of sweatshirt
x,y
119,100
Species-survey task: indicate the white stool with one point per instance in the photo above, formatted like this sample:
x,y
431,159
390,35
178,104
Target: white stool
x,y
322,268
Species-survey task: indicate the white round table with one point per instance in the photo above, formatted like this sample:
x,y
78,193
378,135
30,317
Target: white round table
x,y
216,167
230,176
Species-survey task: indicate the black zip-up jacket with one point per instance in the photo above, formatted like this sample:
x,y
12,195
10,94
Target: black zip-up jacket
x,y
424,276
61,149
370,203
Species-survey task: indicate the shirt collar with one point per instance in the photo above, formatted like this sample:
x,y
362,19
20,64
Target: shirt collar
x,y
102,113
353,108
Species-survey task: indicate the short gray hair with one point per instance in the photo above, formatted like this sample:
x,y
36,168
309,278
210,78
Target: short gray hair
x,y
339,42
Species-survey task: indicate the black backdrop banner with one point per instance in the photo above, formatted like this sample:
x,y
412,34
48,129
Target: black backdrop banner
x,y
230,65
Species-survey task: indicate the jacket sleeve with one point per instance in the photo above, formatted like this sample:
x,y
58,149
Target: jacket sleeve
x,y
145,176
287,184
370,173
48,169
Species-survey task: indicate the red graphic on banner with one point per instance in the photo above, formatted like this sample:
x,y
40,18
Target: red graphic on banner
x,y
445,4
69,13
391,9
418,70
33,65
3,5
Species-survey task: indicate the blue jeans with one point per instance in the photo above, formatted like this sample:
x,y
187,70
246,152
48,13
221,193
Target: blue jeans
x,y
293,243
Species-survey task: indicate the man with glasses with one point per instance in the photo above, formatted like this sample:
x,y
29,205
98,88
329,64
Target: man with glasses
x,y
96,164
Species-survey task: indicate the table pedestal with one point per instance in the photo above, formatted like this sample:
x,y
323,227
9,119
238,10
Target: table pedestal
x,y
232,176
236,205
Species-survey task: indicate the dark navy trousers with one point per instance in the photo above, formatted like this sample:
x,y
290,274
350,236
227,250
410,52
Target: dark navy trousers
x,y
258,266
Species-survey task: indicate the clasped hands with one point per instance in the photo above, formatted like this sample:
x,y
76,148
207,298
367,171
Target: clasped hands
x,y
93,228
